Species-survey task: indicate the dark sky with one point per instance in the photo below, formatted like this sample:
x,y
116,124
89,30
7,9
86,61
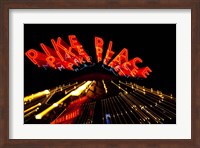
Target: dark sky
x,y
155,44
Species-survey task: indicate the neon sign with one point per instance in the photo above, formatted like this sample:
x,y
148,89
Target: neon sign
x,y
65,56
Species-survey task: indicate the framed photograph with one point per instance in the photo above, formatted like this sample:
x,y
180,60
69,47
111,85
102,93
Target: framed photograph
x,y
109,73
119,89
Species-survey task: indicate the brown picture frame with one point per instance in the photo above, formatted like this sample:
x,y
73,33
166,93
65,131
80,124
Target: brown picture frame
x,y
5,5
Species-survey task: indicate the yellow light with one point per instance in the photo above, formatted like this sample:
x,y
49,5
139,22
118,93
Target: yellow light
x,y
38,116
36,95
46,92
79,90
55,104
76,92
31,108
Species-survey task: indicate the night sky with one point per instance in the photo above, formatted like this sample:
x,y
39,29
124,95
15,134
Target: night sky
x,y
155,44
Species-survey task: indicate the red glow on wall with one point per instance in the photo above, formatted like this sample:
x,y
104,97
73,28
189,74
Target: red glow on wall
x,y
65,56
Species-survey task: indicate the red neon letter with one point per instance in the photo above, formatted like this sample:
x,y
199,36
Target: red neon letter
x,y
143,72
79,48
50,61
133,72
32,55
48,50
73,41
36,57
109,53
135,61
99,48
120,58
63,51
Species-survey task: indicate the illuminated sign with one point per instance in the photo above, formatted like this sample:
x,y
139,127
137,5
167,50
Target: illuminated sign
x,y
65,56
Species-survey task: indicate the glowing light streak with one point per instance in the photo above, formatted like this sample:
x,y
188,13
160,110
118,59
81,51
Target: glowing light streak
x,y
158,93
123,108
126,104
140,99
40,115
119,86
102,111
76,92
60,89
136,109
115,111
112,110
104,85
160,108
129,102
167,110
118,110
89,86
155,116
160,101
73,88
167,102
160,111
79,90
130,108
31,108
53,122
85,112
36,96
31,112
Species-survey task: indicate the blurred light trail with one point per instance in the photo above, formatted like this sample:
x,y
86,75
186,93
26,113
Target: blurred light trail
x,y
76,92
31,108
36,96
